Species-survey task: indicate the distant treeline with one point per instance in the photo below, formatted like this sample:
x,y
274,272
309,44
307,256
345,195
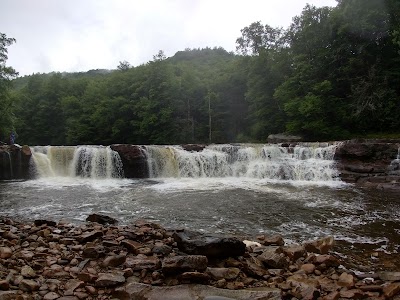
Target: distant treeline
x,y
333,74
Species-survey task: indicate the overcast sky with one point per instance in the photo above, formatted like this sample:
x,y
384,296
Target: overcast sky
x,y
79,35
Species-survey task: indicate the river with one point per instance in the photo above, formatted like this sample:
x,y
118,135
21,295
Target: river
x,y
243,195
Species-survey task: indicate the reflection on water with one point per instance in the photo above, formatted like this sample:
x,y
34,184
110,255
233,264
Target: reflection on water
x,y
239,206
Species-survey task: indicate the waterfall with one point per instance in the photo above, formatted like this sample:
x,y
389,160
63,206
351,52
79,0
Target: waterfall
x,y
72,161
304,162
394,167
7,165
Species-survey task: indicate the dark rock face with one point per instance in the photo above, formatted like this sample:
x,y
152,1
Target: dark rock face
x,y
133,159
101,219
283,138
369,163
193,147
194,243
14,162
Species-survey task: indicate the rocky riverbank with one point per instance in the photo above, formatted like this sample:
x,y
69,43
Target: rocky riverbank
x,y
100,260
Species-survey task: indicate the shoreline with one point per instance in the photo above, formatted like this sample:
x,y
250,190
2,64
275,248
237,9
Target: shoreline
x,y
43,259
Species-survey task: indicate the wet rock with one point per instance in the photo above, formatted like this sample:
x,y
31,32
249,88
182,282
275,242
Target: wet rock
x,y
332,296
274,257
51,296
10,236
391,290
223,273
196,244
91,290
114,260
45,222
193,147
346,280
81,295
86,277
91,252
321,246
90,236
144,251
194,277
28,285
132,246
8,295
28,272
184,263
67,241
308,268
328,260
101,219
294,252
352,294
304,287
162,250
4,285
72,285
141,262
133,159
109,279
274,240
192,291
254,267
389,276
5,252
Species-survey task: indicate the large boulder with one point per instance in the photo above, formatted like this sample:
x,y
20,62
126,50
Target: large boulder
x,y
14,162
210,246
193,147
369,163
133,159
101,219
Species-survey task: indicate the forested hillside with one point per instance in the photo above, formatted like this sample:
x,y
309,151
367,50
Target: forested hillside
x,y
333,74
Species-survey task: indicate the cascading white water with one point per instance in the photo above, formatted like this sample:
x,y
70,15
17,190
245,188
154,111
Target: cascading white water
x,y
7,161
71,161
394,167
305,162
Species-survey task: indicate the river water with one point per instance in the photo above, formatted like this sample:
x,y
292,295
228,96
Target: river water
x,y
243,191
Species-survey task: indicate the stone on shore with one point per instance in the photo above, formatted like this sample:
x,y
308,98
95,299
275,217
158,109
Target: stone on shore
x,y
94,261
197,244
192,291
184,263
101,219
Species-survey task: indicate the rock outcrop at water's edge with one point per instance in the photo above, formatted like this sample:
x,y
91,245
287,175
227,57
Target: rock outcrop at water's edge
x,y
14,162
133,160
44,260
371,163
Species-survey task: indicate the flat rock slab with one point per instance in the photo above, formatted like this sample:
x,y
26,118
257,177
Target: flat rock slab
x,y
192,291
210,246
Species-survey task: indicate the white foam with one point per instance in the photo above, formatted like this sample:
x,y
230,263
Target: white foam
x,y
303,163
64,182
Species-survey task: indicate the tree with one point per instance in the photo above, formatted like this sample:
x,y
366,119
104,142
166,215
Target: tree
x,y
258,37
6,74
124,66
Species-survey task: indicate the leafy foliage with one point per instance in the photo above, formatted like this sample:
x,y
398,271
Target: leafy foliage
x,y
6,101
333,73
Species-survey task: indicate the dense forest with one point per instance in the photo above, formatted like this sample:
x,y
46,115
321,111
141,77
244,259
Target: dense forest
x,y
334,73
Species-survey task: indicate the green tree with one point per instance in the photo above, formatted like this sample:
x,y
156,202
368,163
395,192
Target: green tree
x,y
6,103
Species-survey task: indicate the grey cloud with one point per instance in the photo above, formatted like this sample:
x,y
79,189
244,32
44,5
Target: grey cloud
x,y
76,35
